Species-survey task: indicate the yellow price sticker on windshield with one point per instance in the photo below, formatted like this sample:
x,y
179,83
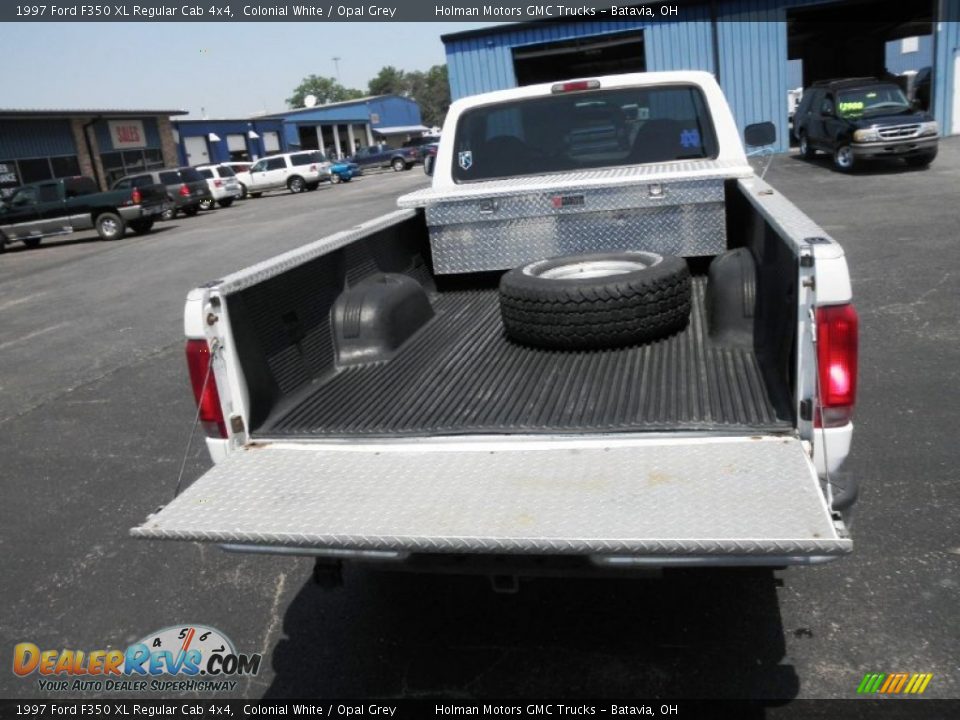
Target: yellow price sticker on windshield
x,y
847,106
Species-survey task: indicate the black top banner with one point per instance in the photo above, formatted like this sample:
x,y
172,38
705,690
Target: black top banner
x,y
416,11
339,11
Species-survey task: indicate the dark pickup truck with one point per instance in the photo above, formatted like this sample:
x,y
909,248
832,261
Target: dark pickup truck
x,y
58,207
384,156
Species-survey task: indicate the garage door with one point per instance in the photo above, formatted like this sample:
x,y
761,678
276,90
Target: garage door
x,y
236,143
197,153
271,142
582,57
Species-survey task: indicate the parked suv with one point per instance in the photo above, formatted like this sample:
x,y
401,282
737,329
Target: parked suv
x,y
295,171
863,119
186,188
223,184
242,171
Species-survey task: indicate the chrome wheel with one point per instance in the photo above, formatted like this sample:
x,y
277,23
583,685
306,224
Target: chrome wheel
x,y
843,157
590,269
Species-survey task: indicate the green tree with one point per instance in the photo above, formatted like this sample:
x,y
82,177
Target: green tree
x,y
389,81
326,90
430,89
433,95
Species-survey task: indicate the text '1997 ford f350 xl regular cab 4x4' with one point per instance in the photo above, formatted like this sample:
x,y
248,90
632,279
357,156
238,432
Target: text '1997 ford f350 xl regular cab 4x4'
x,y
599,341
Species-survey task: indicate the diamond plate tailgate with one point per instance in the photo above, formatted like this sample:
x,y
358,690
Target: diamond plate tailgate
x,y
723,496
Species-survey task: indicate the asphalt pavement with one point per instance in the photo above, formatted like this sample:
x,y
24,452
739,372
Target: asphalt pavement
x,y
95,411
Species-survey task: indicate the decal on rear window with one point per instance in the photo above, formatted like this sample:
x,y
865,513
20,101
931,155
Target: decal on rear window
x,y
690,138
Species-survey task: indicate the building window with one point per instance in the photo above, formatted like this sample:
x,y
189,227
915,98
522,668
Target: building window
x,y
67,166
127,162
35,170
910,45
14,173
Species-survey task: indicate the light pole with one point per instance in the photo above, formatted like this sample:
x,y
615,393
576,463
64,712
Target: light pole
x,y
336,65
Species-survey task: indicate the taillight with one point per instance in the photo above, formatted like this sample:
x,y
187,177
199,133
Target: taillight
x,y
184,191
205,388
218,183
575,86
313,168
837,327
135,196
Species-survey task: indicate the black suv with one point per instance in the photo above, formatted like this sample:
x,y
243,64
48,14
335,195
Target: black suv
x,y
863,119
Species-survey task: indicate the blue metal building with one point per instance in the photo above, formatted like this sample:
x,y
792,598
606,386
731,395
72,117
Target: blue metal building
x,y
211,141
746,43
339,128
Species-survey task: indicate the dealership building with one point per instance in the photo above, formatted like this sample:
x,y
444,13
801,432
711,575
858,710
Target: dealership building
x,y
40,145
336,128
340,128
759,50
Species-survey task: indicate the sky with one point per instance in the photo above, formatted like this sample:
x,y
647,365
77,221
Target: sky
x,y
217,69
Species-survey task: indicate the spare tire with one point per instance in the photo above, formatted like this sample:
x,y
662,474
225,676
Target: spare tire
x,y
596,301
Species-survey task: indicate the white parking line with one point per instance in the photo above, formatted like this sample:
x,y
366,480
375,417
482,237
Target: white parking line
x,y
32,335
21,300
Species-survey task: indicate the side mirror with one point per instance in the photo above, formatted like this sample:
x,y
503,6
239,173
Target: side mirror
x,y
760,134
428,163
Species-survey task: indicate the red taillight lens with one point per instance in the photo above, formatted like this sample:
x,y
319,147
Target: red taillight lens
x,y
313,168
135,196
205,388
837,329
575,86
218,183
184,191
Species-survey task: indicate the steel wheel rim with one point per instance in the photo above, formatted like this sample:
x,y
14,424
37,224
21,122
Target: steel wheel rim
x,y
589,269
109,226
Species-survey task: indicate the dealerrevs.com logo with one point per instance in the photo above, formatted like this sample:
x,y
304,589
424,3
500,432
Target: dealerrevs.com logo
x,y
179,658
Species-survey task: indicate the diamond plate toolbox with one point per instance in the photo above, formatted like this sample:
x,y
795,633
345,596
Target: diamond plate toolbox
x,y
684,218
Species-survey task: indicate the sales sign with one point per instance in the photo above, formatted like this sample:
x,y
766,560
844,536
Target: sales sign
x,y
127,134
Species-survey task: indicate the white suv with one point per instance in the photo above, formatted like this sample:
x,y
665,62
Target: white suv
x,y
223,184
297,172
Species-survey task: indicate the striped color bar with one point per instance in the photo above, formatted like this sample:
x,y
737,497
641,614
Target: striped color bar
x,y
894,683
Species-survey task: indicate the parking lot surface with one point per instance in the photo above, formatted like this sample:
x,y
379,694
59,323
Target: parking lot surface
x,y
97,410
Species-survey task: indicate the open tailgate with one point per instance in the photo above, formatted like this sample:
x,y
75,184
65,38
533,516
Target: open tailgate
x,y
716,499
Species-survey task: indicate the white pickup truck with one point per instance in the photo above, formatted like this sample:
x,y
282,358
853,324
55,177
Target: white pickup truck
x,y
665,375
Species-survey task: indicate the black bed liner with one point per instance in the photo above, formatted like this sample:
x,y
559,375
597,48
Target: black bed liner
x,y
459,374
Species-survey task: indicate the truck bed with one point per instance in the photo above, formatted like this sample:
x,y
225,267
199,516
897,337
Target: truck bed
x,y
459,374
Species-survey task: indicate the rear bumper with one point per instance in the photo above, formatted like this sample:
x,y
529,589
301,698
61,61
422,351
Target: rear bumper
x,y
137,212
224,193
895,148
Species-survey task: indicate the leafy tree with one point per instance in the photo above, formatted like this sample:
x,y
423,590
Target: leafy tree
x,y
326,90
430,89
389,81
434,95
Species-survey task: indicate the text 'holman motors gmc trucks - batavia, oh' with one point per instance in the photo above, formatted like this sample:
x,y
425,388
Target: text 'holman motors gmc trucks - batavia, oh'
x,y
599,342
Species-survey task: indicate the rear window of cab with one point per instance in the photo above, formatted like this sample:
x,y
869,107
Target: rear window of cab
x,y
571,131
